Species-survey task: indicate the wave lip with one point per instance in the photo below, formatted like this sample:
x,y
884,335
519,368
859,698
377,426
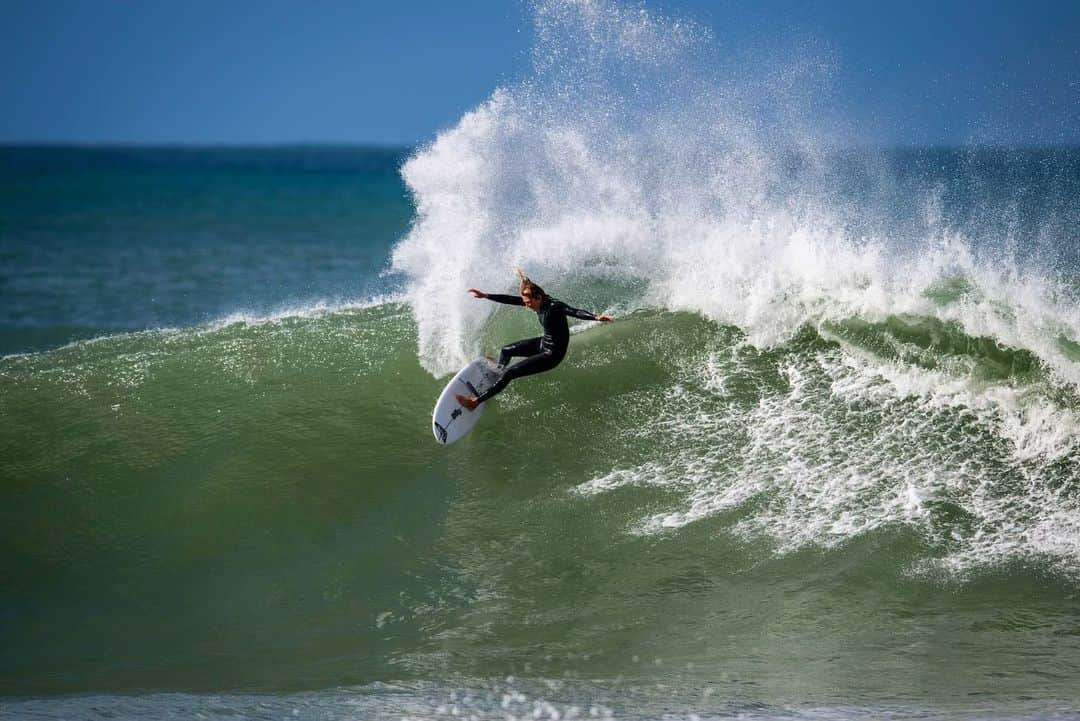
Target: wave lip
x,y
251,319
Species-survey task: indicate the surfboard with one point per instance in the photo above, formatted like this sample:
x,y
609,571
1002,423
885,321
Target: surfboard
x,y
450,420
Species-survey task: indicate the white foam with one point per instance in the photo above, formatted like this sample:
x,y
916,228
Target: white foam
x,y
627,153
307,310
853,445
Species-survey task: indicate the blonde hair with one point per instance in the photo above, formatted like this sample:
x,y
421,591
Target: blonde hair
x,y
527,287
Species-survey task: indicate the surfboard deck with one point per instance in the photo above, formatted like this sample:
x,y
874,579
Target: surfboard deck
x,y
450,420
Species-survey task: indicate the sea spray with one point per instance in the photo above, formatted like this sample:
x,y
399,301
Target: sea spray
x,y
618,157
713,183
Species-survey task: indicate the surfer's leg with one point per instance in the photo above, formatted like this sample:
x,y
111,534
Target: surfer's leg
x,y
537,363
527,347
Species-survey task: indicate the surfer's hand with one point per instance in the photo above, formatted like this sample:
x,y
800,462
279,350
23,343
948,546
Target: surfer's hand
x,y
477,293
604,318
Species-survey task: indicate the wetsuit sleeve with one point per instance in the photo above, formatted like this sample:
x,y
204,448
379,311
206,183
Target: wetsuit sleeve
x,y
577,312
507,299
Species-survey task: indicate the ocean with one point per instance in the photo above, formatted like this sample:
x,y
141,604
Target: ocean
x,y
825,464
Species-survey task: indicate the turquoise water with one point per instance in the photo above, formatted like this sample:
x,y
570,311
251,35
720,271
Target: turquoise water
x,y
258,507
104,240
824,465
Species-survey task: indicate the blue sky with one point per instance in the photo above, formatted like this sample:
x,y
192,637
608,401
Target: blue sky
x,y
146,71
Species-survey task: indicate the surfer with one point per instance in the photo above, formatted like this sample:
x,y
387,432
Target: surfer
x,y
541,354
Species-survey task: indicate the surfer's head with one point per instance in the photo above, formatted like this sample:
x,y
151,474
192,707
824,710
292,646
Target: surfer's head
x,y
531,294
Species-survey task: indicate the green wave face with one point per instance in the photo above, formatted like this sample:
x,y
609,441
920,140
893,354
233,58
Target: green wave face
x,y
261,505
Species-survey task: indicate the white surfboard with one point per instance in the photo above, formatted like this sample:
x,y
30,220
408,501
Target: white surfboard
x,y
450,420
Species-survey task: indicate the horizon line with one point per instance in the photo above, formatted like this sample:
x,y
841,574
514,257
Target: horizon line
x,y
388,146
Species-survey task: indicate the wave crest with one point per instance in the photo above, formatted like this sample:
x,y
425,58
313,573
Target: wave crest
x,y
636,153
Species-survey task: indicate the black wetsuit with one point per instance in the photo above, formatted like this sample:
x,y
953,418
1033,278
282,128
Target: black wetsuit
x,y
543,353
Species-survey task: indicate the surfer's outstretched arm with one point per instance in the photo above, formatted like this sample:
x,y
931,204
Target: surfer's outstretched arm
x,y
497,297
583,314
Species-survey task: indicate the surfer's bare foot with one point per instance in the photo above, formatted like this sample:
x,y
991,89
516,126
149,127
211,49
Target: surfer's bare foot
x,y
469,402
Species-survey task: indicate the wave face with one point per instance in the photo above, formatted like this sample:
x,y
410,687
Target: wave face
x,y
835,428
635,169
259,505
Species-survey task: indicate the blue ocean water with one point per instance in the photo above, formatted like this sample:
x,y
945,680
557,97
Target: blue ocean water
x,y
98,240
